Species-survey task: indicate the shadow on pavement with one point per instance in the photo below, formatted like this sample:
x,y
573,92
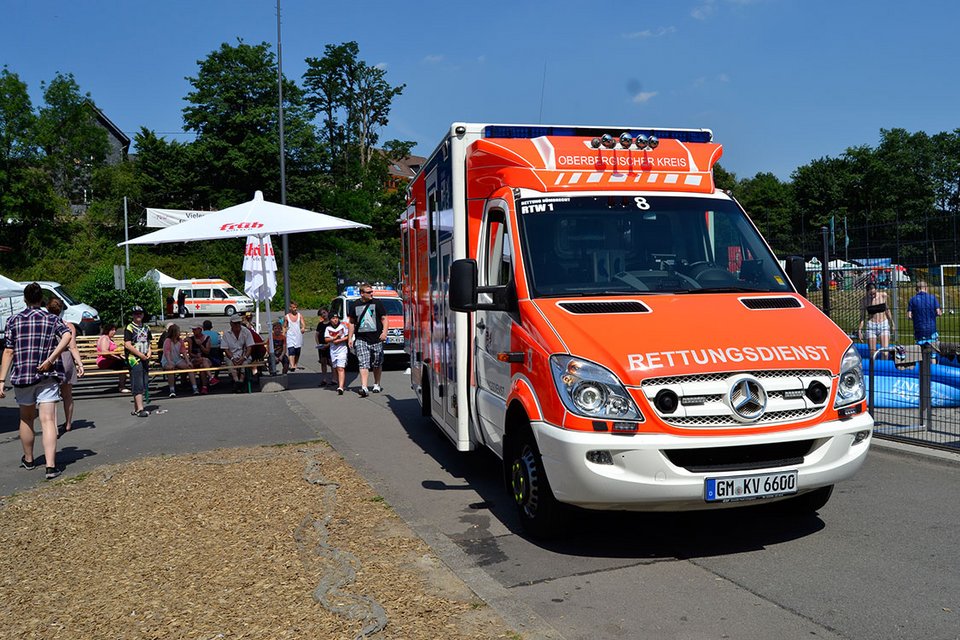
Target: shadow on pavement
x,y
608,534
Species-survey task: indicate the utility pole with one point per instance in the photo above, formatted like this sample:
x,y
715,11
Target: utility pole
x,y
284,243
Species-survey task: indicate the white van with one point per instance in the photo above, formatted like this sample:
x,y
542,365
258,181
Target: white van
x,y
83,316
213,297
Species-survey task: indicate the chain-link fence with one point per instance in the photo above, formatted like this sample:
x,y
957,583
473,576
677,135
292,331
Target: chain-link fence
x,y
913,385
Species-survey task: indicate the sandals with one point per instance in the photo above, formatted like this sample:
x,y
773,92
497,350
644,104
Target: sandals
x,y
143,413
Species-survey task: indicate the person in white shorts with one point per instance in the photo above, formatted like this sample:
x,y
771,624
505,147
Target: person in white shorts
x,y
336,336
35,341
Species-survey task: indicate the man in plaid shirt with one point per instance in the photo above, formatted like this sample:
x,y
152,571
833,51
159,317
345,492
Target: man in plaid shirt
x,y
35,340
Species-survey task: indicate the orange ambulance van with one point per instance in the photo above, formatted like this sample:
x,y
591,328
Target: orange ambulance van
x,y
584,302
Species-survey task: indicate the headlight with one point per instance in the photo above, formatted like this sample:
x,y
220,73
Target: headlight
x,y
587,389
850,387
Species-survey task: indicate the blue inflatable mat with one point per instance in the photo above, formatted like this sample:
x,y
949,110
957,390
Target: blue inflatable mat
x,y
896,392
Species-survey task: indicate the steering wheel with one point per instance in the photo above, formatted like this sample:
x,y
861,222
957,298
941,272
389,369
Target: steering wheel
x,y
705,271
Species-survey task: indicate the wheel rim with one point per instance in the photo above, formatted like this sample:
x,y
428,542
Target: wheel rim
x,y
524,481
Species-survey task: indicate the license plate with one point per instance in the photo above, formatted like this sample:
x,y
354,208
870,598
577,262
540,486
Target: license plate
x,y
394,339
766,485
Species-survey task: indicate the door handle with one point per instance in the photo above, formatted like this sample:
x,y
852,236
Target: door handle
x,y
481,325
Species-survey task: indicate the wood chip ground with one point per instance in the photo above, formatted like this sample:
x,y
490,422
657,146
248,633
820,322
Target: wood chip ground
x,y
223,544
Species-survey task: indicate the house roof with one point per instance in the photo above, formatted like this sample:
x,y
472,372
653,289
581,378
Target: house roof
x,y
108,124
407,167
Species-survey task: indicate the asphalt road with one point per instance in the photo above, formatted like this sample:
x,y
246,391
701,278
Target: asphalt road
x,y
880,561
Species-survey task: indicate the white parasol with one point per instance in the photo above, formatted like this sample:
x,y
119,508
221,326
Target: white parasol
x,y
257,217
260,280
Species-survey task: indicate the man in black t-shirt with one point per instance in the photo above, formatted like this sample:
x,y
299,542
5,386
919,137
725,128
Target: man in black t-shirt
x,y
368,331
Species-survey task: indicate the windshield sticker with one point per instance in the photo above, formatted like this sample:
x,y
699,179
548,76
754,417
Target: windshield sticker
x,y
783,353
540,205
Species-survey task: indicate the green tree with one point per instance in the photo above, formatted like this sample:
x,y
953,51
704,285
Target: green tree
x,y
73,144
770,204
26,193
234,112
96,289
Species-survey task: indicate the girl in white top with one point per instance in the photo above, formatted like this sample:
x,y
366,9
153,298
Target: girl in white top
x,y
294,327
336,336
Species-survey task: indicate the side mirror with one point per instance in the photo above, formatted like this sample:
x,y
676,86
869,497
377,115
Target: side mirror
x,y
796,269
463,285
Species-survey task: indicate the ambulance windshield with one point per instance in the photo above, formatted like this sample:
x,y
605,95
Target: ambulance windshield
x,y
628,244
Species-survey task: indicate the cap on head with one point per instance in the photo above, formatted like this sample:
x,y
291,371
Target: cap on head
x,y
137,309
197,325
235,318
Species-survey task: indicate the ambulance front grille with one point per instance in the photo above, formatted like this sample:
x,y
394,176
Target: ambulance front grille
x,y
703,398
770,417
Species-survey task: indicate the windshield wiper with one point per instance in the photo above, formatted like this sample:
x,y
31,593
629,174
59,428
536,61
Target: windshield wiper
x,y
726,290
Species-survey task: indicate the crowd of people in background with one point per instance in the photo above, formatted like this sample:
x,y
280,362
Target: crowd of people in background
x,y
42,361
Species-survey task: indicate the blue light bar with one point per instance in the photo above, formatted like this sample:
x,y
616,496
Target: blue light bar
x,y
351,291
535,131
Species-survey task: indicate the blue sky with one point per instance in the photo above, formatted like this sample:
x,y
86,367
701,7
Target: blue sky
x,y
780,82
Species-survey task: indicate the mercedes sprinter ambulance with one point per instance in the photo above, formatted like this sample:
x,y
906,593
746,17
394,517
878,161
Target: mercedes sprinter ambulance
x,y
584,302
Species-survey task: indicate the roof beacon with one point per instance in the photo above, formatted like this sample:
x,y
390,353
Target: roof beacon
x,y
625,140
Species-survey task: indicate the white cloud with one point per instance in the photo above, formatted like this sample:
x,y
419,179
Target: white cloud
x,y
381,65
705,10
651,33
433,59
643,96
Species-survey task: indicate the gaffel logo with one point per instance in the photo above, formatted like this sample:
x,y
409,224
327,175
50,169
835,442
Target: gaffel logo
x,y
240,226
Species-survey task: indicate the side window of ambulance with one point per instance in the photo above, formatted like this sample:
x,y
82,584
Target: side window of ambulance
x,y
497,253
218,294
203,294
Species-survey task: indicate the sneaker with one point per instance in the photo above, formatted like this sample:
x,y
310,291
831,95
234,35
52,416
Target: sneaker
x,y
124,390
173,394
203,391
143,413
376,388
214,382
363,393
196,391
29,466
339,392
53,472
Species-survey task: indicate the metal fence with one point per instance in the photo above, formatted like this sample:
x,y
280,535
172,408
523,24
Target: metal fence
x,y
913,389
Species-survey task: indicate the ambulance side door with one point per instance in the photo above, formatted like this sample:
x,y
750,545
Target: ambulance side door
x,y
492,329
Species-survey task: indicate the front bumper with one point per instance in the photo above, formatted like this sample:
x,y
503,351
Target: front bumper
x,y
642,478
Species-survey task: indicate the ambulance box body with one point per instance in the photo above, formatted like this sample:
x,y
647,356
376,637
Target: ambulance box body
x,y
213,297
585,303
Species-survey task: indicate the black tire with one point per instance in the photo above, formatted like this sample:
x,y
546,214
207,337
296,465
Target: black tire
x,y
229,311
806,504
540,514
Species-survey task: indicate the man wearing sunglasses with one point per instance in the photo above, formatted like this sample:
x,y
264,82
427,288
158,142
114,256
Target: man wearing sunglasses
x,y
368,331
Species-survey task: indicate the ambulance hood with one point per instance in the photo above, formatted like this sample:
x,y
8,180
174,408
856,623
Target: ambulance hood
x,y
665,335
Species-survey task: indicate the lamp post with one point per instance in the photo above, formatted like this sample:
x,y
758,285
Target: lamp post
x,y
284,244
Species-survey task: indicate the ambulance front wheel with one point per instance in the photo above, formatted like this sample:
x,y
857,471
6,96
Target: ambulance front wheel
x,y
540,513
229,311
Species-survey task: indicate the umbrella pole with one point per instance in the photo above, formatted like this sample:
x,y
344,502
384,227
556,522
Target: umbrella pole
x,y
271,359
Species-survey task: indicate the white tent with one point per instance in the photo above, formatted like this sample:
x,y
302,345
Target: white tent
x,y
11,300
9,288
164,282
257,217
